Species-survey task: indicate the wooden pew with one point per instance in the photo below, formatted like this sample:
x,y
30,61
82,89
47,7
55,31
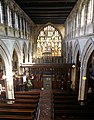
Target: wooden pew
x,y
18,106
60,101
24,106
21,111
27,96
27,93
63,107
15,117
64,97
67,107
64,94
10,110
24,101
76,112
72,118
25,113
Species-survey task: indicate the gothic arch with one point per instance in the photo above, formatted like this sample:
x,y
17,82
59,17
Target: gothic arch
x,y
76,60
87,51
76,50
5,54
17,47
8,70
47,25
49,45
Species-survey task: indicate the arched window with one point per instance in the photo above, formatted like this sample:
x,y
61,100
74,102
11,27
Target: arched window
x,y
73,24
90,12
16,21
1,13
83,16
77,20
49,42
9,13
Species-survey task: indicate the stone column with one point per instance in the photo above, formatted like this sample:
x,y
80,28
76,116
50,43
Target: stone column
x,y
73,76
9,83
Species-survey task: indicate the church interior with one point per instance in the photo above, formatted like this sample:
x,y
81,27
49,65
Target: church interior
x,y
46,60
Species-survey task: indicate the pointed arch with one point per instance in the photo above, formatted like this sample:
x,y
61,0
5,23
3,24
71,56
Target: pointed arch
x,y
49,44
87,51
7,61
17,48
76,50
5,54
49,25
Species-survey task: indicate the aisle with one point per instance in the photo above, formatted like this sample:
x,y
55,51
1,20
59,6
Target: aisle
x,y
45,101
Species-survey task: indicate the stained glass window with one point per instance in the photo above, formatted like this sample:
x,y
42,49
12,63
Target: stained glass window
x,y
49,42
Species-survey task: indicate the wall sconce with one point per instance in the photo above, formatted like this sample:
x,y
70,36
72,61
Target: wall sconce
x,y
4,77
84,77
73,65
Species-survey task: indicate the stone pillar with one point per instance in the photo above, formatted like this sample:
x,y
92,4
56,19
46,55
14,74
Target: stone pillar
x,y
73,77
81,95
9,83
26,56
20,69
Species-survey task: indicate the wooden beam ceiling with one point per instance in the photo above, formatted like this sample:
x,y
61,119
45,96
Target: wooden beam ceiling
x,y
43,11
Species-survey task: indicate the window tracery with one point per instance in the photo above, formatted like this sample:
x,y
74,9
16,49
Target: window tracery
x,y
49,41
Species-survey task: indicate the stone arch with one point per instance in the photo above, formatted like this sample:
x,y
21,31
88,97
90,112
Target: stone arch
x,y
47,25
76,50
88,48
76,70
5,54
87,51
17,48
8,69
48,48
